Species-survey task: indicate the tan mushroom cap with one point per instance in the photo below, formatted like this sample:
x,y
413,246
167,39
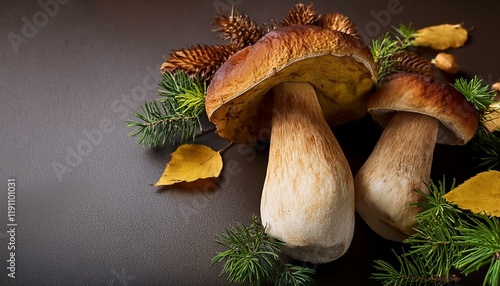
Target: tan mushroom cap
x,y
338,66
415,93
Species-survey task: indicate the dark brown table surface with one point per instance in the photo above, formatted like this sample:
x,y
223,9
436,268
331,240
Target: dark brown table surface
x,y
70,74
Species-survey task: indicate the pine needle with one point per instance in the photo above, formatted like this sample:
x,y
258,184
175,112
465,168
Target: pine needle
x,y
486,148
432,241
252,256
387,45
480,95
446,240
405,34
383,48
481,237
161,123
293,275
412,272
175,115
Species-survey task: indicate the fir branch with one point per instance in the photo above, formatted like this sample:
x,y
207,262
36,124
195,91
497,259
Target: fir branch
x,y
435,207
411,272
486,148
387,45
481,238
174,115
175,83
446,240
160,123
405,34
432,250
185,92
191,101
252,256
485,144
481,96
432,241
293,275
382,49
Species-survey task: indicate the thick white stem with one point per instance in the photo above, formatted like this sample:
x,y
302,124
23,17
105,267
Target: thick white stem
x,y
399,164
308,195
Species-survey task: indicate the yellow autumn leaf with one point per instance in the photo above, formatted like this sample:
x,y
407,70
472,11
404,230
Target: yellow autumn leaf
x,y
189,163
479,194
441,37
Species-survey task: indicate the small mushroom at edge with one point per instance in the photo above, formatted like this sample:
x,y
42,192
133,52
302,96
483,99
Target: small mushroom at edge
x,y
417,113
294,80
493,116
447,63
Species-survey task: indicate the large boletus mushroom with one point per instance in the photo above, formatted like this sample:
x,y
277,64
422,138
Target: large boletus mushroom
x,y
417,113
294,80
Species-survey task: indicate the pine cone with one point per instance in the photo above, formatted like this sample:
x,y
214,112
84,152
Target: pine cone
x,y
339,22
301,14
200,60
238,28
413,63
268,27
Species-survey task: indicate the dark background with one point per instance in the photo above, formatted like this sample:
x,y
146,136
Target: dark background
x,y
69,78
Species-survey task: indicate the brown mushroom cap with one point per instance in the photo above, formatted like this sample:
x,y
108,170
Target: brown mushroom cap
x,y
338,66
415,93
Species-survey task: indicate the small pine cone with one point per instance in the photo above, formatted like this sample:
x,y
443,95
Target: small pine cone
x,y
268,27
301,14
238,28
339,22
412,63
200,60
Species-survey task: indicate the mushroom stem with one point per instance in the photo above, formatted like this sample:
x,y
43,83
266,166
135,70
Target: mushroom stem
x,y
399,164
308,195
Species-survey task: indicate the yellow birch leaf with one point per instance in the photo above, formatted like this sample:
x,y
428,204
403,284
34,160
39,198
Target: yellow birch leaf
x,y
189,163
479,194
441,37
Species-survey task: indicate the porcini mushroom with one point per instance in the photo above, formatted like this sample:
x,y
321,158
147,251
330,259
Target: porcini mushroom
x,y
492,122
417,113
294,80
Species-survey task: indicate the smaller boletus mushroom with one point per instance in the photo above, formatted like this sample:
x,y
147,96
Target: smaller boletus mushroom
x,y
294,81
417,113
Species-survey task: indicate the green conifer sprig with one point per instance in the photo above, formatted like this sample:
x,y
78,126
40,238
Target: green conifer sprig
x,y
485,144
480,236
387,45
486,148
405,34
432,241
448,242
252,257
175,115
411,272
185,92
477,93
